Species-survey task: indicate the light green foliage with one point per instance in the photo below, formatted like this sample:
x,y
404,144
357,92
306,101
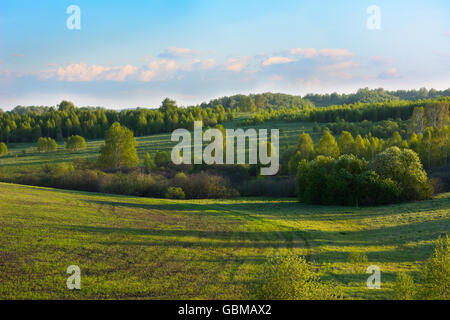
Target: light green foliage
x,y
175,193
119,149
405,168
404,287
46,145
346,143
3,149
328,146
292,278
437,271
76,143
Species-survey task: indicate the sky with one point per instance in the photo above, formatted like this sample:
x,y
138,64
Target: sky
x,y
135,53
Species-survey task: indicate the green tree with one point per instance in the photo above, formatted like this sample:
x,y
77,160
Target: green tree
x,y
437,271
76,143
404,287
162,158
66,106
119,149
260,101
168,106
328,146
417,121
246,104
149,164
305,146
45,144
3,149
405,168
346,143
361,147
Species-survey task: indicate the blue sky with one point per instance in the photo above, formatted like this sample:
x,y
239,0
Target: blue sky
x,y
135,53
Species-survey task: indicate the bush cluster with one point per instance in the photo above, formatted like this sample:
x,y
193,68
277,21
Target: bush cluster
x,y
392,176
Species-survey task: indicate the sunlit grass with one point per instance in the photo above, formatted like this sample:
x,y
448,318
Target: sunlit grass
x,y
131,247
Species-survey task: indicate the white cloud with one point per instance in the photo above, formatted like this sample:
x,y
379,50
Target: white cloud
x,y
304,52
173,52
276,77
159,70
391,73
121,73
326,52
276,60
340,66
336,53
380,60
80,72
236,64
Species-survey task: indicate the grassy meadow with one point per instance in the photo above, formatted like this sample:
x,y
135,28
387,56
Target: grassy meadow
x,y
131,247
24,156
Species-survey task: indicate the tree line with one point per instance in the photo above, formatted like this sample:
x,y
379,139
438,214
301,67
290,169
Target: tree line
x,y
357,112
66,120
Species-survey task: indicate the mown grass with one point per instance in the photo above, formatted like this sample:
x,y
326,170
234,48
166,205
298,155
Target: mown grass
x,y
24,156
131,247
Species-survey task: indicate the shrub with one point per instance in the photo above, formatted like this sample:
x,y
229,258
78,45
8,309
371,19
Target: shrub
x,y
394,175
404,287
46,145
76,143
405,168
208,186
268,187
175,193
437,271
292,278
357,259
3,149
162,158
149,164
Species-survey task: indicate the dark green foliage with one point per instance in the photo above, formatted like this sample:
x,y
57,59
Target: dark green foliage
x,y
394,175
162,158
27,124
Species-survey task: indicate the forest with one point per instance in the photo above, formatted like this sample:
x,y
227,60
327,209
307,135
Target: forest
x,y
350,142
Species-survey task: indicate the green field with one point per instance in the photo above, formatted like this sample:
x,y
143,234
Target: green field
x,y
199,249
24,156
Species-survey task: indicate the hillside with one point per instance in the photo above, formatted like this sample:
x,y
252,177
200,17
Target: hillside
x,y
167,249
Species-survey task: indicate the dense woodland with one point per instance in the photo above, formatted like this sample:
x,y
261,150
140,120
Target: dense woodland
x,y
379,149
28,124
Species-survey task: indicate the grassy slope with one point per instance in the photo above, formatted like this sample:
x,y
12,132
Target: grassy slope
x,y
29,158
152,248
